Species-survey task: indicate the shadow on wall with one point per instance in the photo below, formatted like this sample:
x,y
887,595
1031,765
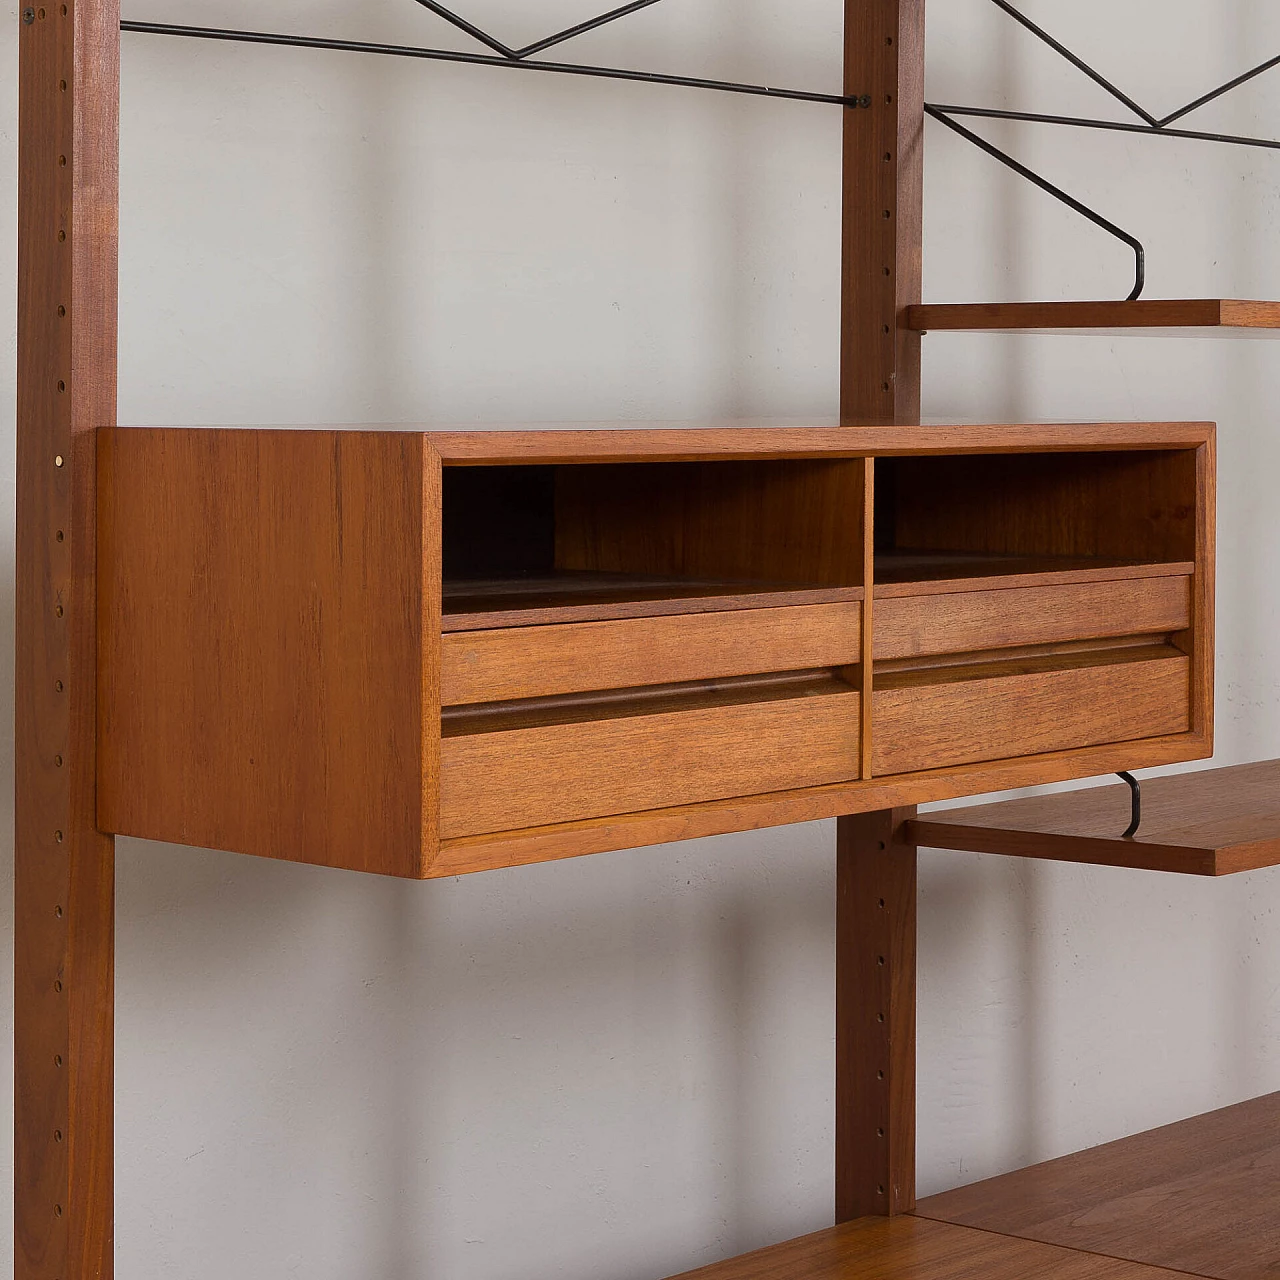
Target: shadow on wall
x,y
467,1066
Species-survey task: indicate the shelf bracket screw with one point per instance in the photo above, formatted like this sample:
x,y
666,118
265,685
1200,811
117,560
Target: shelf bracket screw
x,y
28,16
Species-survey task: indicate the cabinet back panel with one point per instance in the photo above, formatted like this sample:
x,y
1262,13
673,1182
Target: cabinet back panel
x,y
1129,505
784,521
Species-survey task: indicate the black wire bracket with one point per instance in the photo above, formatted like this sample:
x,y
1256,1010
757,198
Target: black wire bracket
x,y
1135,805
1147,123
1139,253
502,55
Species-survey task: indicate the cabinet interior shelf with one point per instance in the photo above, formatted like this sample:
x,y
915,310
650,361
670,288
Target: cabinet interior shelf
x,y
1206,314
478,604
1212,823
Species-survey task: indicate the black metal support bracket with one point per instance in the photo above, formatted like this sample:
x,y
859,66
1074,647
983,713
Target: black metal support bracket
x,y
1139,253
1149,124
502,55
1135,805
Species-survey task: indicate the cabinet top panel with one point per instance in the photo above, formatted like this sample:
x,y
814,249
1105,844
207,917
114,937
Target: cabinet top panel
x,y
673,442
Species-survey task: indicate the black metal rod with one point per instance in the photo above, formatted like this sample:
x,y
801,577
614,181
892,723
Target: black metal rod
x,y
1118,126
1139,110
1135,805
1220,90
470,28
1075,61
583,27
485,60
1139,253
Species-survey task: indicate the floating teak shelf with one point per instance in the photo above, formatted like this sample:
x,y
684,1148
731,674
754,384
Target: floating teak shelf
x,y
1214,823
1146,313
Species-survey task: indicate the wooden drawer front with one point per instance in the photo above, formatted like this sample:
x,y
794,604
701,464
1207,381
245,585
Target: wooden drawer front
x,y
536,662
519,778
932,726
966,621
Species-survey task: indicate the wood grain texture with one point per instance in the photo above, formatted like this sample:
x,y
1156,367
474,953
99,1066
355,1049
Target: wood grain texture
x,y
796,521
875,1015
868,615
526,777
556,841
937,718
1213,823
535,662
1200,639
64,869
937,573
564,598
1129,505
912,626
1198,1196
883,202
270,626
631,444
1145,313
909,1248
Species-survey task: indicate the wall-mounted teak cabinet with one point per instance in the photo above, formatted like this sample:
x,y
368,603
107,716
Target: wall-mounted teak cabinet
x,y
426,653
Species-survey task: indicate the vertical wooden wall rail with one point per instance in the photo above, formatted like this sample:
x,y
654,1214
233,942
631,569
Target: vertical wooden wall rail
x,y
875,1016
883,186
64,876
883,210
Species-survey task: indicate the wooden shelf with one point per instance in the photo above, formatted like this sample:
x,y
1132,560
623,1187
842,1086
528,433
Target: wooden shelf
x,y
592,597
1213,823
1199,1196
910,573
1153,314
912,1248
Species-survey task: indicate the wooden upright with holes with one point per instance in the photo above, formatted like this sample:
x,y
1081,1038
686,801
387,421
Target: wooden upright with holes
x,y
883,190
64,878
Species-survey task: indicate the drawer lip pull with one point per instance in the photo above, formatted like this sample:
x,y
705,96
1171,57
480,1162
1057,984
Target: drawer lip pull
x,y
510,664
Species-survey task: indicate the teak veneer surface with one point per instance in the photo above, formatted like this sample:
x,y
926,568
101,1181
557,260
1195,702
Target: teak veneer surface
x,y
270,617
269,621
1145,313
64,867
520,776
948,716
1212,823
461,856
1199,1196
536,662
917,573
482,606
627,442
909,1248
956,622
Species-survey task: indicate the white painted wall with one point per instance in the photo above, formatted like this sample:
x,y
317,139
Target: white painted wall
x,y
621,1066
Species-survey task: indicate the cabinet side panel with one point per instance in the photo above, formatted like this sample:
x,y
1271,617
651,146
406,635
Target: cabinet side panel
x,y
261,615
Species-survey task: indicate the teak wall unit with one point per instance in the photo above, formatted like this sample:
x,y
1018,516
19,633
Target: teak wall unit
x,y
365,649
